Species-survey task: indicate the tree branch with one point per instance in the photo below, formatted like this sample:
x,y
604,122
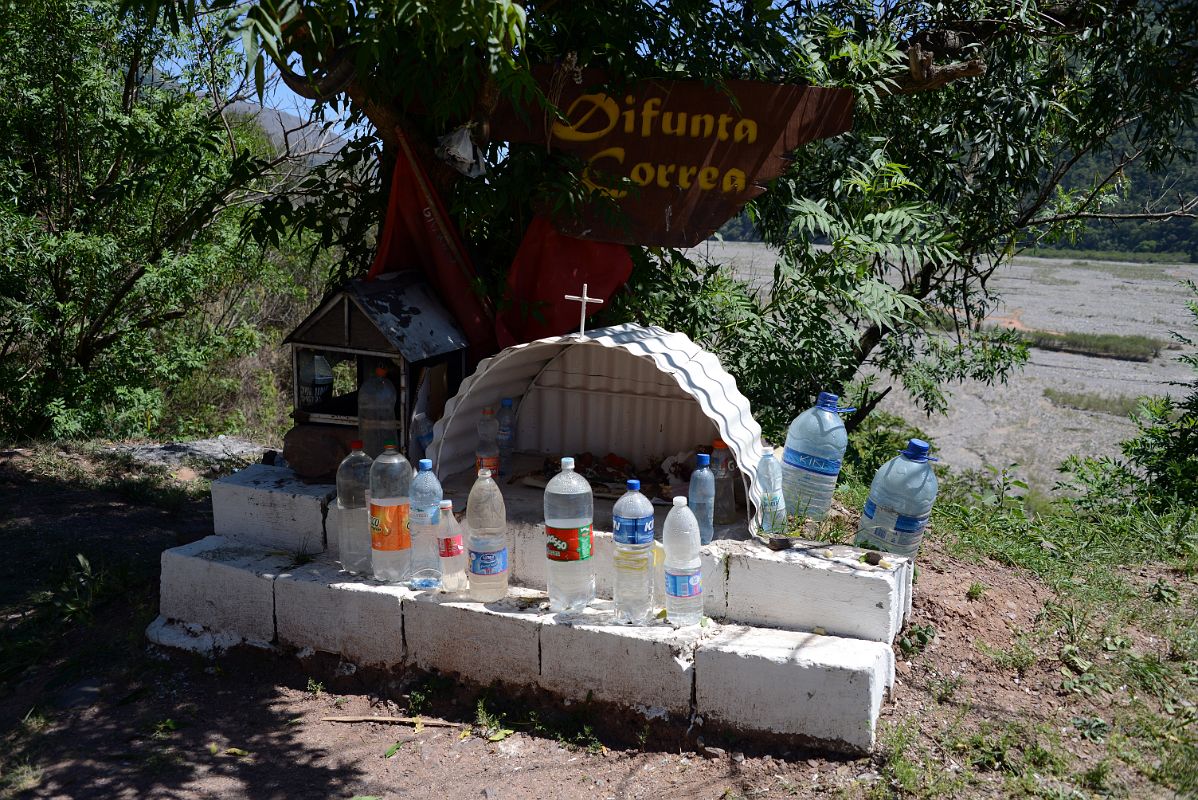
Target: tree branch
x,y
924,76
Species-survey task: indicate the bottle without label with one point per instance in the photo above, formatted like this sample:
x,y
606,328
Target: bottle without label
x,y
452,551
569,514
724,470
486,456
376,413
900,502
353,511
701,497
486,546
421,436
426,517
390,525
506,434
684,575
773,505
632,530
815,445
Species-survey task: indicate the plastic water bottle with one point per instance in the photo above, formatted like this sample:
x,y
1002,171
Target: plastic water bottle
x,y
701,495
900,502
376,413
486,547
815,446
632,529
487,454
569,514
390,525
724,469
684,570
315,379
773,504
426,519
353,511
422,436
506,435
452,551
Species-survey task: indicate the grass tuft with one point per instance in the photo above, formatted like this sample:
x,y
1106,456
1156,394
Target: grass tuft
x,y
1103,345
1119,405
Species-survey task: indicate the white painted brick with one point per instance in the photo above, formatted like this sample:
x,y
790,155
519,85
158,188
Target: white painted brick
x,y
271,507
318,606
223,585
481,642
823,687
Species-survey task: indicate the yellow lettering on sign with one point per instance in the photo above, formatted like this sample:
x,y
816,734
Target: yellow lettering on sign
x,y
724,120
734,181
663,174
670,129
642,174
649,110
685,174
616,153
707,178
587,105
745,131
702,125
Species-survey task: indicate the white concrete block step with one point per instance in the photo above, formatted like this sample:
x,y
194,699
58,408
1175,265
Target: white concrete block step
x,y
823,688
270,506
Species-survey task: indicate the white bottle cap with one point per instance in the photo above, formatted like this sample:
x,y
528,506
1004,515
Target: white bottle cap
x,y
484,473
679,501
567,462
446,504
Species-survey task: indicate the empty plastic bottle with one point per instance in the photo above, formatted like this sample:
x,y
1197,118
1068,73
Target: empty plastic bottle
x,y
315,379
724,470
487,454
684,574
376,413
426,519
815,446
773,504
390,523
900,502
452,551
701,497
421,437
632,529
506,434
486,546
353,511
569,515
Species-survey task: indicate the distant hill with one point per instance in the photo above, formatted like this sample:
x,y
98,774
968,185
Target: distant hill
x,y
276,124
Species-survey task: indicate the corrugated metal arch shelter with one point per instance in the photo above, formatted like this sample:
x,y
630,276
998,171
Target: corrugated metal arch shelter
x,y
628,389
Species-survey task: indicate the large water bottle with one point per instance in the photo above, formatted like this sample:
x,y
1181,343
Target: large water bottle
x,y
773,504
486,546
426,519
506,434
376,413
815,446
569,514
684,570
390,525
315,379
486,456
353,511
723,467
632,529
452,551
900,502
701,497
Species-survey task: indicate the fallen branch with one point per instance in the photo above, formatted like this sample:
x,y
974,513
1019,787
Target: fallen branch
x,y
428,723
925,76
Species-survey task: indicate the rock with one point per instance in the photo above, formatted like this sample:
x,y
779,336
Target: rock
x,y
315,451
209,456
714,752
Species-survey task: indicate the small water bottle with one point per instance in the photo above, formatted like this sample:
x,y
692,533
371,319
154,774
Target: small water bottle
x,y
506,435
353,511
773,505
900,502
684,569
632,529
569,514
723,467
815,446
701,497
486,456
486,546
452,551
376,413
390,524
426,520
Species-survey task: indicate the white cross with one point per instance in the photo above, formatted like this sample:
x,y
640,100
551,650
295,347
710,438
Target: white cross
x,y
582,312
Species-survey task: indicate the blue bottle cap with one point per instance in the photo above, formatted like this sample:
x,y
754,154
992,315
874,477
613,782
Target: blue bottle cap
x,y
828,400
917,450
425,464
506,402
702,459
633,485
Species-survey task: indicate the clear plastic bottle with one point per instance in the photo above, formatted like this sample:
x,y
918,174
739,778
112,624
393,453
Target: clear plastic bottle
x,y
376,413
900,502
724,469
506,435
815,446
773,504
315,379
684,570
353,511
421,436
487,454
390,523
452,551
701,497
632,529
569,515
486,547
426,519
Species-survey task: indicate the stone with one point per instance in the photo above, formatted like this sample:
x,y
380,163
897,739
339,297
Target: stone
x,y
272,508
315,451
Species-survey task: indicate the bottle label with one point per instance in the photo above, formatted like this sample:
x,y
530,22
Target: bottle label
x,y
450,546
426,516
486,462
491,563
568,544
810,463
390,527
632,530
906,530
684,585
773,512
505,434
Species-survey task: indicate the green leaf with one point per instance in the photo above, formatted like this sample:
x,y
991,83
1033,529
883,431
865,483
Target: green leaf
x,y
393,749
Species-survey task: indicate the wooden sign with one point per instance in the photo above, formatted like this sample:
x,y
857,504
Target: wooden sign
x,y
677,159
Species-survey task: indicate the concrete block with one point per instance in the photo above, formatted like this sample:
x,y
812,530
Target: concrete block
x,y
223,585
319,606
271,507
822,687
